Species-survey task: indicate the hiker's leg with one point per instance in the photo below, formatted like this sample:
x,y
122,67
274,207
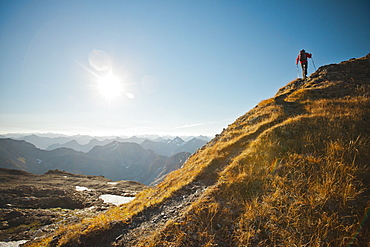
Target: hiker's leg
x,y
303,71
304,68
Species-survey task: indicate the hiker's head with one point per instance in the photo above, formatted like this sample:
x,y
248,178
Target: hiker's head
x,y
302,51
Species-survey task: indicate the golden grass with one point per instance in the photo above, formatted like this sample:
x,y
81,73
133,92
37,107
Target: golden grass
x,y
277,179
292,186
315,200
266,102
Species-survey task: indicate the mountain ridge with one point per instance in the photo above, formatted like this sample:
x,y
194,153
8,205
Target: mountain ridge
x,y
52,141
115,160
160,146
293,171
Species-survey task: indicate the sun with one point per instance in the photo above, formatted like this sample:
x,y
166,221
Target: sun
x,y
110,86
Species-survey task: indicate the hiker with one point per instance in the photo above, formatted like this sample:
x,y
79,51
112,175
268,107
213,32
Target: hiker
x,y
302,57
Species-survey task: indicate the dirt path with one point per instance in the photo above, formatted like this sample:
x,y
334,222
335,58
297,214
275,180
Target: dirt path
x,y
154,219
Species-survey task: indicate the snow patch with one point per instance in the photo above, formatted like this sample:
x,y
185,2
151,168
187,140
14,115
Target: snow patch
x,y
81,188
116,200
112,183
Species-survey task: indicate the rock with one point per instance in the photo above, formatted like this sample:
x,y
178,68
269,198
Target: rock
x,y
32,205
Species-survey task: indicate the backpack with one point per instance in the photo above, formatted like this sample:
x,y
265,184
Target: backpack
x,y
303,57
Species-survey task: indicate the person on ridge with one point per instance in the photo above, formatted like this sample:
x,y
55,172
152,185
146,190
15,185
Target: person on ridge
x,y
302,57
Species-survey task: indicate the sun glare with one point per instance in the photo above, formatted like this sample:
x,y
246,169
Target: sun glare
x,y
110,86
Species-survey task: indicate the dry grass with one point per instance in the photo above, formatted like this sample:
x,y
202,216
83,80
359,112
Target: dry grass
x,y
292,186
266,102
288,173
314,199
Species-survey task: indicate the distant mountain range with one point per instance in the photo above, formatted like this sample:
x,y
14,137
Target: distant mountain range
x,y
166,145
159,146
73,144
85,143
115,160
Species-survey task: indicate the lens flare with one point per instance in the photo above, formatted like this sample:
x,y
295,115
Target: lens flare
x,y
130,95
100,60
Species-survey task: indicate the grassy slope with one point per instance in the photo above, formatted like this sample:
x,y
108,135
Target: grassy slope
x,y
292,171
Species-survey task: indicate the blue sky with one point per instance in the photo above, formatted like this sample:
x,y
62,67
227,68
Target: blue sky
x,y
183,67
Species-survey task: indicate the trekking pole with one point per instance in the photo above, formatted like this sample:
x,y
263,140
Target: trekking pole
x,y
297,71
313,63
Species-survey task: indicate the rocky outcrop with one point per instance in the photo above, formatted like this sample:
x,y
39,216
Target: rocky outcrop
x,y
30,202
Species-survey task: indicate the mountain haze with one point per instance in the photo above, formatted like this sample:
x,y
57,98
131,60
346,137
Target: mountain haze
x,y
171,147
85,143
116,160
78,147
45,141
20,155
293,171
159,146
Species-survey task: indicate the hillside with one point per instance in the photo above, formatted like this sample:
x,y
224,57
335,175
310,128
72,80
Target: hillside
x,y
293,171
